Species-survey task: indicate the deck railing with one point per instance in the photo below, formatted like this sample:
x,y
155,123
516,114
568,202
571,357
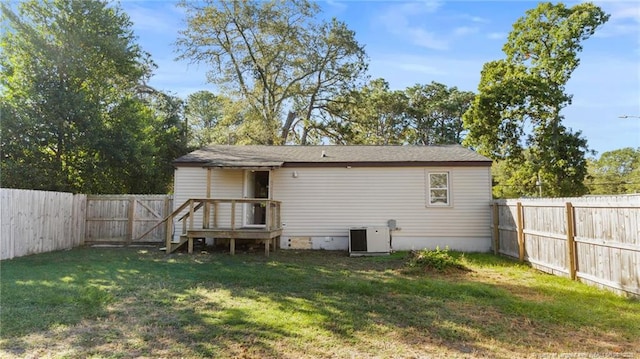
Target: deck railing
x,y
208,212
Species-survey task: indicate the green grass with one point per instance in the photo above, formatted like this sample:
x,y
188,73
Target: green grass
x,y
122,303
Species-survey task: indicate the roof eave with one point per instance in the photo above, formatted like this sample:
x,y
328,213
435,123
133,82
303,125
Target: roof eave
x,y
272,165
482,163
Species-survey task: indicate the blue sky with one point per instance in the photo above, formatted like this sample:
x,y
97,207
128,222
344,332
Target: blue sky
x,y
446,42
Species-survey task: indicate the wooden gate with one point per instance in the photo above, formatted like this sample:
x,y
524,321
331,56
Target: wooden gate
x,y
119,219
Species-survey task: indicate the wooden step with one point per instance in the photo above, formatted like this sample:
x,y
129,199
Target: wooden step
x,y
177,244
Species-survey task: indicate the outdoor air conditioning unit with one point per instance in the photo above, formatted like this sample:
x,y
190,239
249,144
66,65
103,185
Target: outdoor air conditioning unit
x,y
365,241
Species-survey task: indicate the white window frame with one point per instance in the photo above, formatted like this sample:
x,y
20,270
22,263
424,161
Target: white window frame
x,y
429,188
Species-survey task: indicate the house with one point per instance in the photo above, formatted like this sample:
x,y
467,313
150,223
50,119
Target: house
x,y
430,195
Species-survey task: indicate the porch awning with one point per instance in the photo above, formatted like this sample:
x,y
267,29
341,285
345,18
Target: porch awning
x,y
248,165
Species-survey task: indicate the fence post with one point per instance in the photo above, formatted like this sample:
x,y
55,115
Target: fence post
x,y
131,219
520,225
496,229
571,243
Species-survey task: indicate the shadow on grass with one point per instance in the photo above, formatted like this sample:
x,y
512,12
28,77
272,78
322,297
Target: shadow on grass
x,y
314,303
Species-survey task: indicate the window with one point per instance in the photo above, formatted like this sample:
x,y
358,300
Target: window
x,y
438,189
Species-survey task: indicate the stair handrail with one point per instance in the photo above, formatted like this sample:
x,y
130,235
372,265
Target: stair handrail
x,y
172,214
201,202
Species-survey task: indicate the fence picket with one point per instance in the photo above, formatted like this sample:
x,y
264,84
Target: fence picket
x,y
38,221
42,221
592,239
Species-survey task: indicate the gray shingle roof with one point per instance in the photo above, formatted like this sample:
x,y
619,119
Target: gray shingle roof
x,y
277,156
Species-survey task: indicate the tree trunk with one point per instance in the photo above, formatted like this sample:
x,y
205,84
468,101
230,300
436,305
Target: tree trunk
x,y
286,128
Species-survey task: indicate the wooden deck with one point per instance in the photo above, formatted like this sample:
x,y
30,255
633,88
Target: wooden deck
x,y
208,211
261,235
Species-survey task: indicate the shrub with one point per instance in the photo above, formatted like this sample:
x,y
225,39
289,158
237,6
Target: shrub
x,y
438,259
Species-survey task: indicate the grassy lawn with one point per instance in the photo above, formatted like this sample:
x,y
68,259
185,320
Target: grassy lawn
x,y
123,303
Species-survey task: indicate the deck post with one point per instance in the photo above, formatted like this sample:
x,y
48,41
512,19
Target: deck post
x,y
267,215
209,182
207,205
233,214
267,235
169,234
191,214
215,214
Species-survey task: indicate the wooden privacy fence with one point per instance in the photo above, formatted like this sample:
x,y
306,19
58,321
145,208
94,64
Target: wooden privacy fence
x,y
39,221
122,219
592,239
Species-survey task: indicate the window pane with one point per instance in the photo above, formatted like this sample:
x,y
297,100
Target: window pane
x,y
439,196
438,180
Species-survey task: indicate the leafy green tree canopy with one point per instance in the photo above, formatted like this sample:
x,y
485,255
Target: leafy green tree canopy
x,y
418,115
275,57
435,113
73,115
615,172
203,113
374,115
520,98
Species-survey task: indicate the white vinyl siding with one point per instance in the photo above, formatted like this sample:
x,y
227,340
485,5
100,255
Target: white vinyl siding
x,y
191,182
323,203
188,182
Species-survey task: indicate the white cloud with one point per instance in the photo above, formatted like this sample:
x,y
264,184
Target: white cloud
x,y
624,20
475,19
497,36
465,30
412,22
337,6
623,10
426,39
403,70
401,20
163,20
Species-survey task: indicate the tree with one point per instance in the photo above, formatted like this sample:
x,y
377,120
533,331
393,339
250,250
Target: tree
x,y
276,58
337,63
203,113
73,116
372,115
526,90
168,139
511,179
217,119
435,113
615,172
421,115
